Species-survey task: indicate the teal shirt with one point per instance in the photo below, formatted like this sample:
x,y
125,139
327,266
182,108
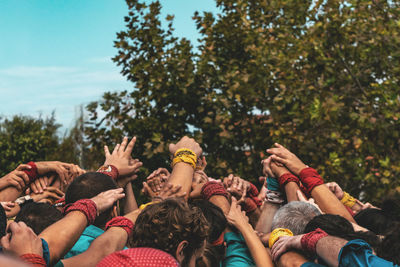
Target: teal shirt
x,y
89,234
237,254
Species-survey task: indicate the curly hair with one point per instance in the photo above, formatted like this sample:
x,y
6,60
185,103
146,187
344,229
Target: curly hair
x,y
166,224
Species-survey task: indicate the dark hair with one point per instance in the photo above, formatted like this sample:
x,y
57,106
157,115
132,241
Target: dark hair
x,y
338,226
89,185
166,224
212,255
215,218
374,220
3,222
390,246
38,216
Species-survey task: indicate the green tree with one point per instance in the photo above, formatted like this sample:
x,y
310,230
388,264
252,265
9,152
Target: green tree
x,y
320,77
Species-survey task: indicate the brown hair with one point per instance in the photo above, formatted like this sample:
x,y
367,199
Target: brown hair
x,y
164,225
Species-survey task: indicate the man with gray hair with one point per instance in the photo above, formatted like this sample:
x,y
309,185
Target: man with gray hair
x,y
294,216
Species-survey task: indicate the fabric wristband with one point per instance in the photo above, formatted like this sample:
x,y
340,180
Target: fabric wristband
x,y
348,200
210,189
33,172
86,206
272,184
275,197
33,259
122,222
219,241
309,241
286,178
310,178
249,205
109,170
185,155
276,234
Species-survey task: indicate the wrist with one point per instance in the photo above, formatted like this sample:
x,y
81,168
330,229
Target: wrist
x,y
185,155
122,222
299,168
86,206
110,170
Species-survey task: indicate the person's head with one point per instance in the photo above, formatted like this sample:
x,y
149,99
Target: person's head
x,y
3,222
294,216
338,226
89,185
390,246
214,251
174,227
374,220
38,216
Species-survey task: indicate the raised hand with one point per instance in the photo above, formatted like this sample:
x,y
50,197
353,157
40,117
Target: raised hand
x,y
157,179
236,216
238,187
7,205
121,157
106,200
17,178
282,155
188,143
335,189
61,168
285,243
169,191
22,240
50,194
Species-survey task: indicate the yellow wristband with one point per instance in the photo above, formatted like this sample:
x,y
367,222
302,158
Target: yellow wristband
x,y
143,206
348,200
185,155
276,234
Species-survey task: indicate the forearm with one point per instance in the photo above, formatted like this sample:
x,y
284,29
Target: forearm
x,y
10,194
291,191
267,214
221,202
130,200
257,250
114,239
62,235
182,174
254,216
328,248
329,203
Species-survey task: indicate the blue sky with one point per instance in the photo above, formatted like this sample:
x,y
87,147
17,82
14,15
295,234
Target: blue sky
x,y
56,54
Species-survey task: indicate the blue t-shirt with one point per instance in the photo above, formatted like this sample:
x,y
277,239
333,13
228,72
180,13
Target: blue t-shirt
x,y
237,254
88,236
359,253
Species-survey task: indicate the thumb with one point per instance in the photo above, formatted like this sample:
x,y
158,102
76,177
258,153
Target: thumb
x,y
23,167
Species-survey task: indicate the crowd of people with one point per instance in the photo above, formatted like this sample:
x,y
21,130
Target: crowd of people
x,y
57,214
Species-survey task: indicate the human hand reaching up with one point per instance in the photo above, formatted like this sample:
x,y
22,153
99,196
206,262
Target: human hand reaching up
x,y
168,191
157,179
17,178
106,200
188,143
238,187
282,155
121,158
335,189
236,216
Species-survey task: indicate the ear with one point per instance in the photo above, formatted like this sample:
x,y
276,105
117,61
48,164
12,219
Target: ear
x,y
180,255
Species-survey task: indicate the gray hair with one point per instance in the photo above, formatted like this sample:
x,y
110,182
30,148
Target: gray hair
x,y
294,216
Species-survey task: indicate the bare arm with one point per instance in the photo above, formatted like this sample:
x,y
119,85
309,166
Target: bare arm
x,y
291,259
267,214
130,200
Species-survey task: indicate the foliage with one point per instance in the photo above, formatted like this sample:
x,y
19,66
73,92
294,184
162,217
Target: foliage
x,y
24,139
320,77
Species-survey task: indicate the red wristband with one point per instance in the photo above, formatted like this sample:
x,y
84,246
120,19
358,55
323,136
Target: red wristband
x,y
33,172
309,241
249,205
212,188
310,179
33,259
122,222
109,170
286,178
253,191
86,206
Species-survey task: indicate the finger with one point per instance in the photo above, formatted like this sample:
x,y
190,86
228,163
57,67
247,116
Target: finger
x,y
23,175
130,146
276,151
123,144
16,184
279,146
175,189
278,159
20,181
300,196
27,191
34,188
5,241
39,186
61,173
116,148
147,188
55,190
106,151
23,167
42,183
